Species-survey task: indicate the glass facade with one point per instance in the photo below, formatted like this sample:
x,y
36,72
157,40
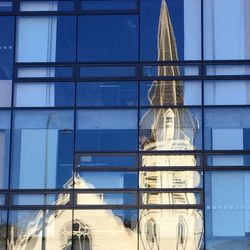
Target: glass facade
x,y
124,124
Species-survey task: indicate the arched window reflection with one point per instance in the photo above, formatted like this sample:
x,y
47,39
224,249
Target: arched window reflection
x,y
152,234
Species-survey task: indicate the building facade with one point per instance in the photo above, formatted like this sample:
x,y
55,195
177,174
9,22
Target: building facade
x,y
124,124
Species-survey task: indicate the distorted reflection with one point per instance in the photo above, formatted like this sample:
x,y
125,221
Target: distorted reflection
x,y
169,129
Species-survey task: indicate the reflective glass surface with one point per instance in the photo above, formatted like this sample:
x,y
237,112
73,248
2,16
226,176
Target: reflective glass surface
x,y
175,228
6,47
108,5
46,5
231,160
108,38
43,147
170,128
4,148
170,30
227,128
227,92
46,39
92,180
107,94
189,93
170,179
44,94
106,130
226,25
227,210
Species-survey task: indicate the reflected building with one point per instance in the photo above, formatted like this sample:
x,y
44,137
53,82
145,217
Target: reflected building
x,y
166,129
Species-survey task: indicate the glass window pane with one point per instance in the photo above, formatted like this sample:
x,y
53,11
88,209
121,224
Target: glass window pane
x,y
40,229
46,39
175,198
92,180
108,5
227,92
106,130
44,72
107,94
4,148
220,160
227,128
151,93
106,161
170,30
171,70
174,228
108,38
46,5
46,136
112,229
5,6
41,199
3,231
227,210
170,129
6,47
107,71
166,160
226,33
170,179
45,94
227,70
106,198
5,93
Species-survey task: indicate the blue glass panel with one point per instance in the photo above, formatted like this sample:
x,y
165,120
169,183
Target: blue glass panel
x,y
108,5
6,47
107,94
108,38
6,6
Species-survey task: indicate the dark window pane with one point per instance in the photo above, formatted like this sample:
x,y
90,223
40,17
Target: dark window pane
x,y
106,130
108,38
3,231
108,5
170,129
106,161
44,94
46,5
227,210
107,94
6,6
107,71
47,137
46,39
6,47
227,129
4,148
170,30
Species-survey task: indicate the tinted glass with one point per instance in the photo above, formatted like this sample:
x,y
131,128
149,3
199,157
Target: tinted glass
x,y
6,47
106,130
231,160
170,30
108,38
50,94
227,210
107,94
46,5
108,4
4,148
227,92
227,128
46,39
46,136
226,33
